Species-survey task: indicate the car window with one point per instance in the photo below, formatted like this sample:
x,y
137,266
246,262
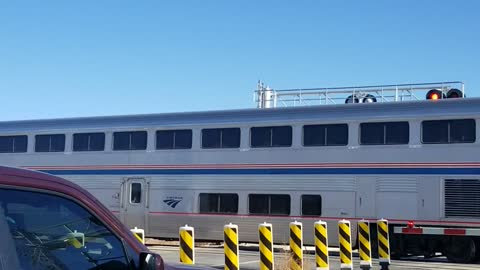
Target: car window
x,y
45,231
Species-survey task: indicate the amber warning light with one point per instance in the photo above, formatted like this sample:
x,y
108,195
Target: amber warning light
x,y
435,94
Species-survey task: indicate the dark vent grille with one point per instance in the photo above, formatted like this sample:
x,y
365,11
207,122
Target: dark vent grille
x,y
462,198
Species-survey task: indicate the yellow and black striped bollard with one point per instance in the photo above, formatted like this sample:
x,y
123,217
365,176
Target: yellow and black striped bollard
x,y
345,243
364,246
187,245
321,245
383,243
139,234
296,246
230,234
266,246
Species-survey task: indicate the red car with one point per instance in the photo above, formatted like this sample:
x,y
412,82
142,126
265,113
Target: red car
x,y
47,222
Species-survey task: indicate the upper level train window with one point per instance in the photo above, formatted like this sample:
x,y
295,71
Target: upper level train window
x,y
88,142
130,140
13,144
311,205
325,135
174,139
269,204
271,136
384,133
221,138
218,203
448,131
50,143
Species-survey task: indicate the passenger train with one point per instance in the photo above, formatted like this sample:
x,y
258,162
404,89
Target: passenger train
x,y
408,161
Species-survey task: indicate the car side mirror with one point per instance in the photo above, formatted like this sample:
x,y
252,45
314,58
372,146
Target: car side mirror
x,y
150,261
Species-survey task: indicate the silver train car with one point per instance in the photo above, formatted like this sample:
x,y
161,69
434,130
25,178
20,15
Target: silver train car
x,y
407,162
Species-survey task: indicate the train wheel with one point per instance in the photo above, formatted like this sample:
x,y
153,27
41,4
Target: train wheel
x,y
461,249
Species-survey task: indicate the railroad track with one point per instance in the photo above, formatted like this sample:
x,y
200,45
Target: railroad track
x,y
213,257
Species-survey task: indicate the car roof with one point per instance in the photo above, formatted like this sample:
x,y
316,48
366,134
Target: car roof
x,y
17,178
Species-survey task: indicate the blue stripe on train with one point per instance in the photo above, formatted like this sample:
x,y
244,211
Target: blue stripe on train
x,y
433,171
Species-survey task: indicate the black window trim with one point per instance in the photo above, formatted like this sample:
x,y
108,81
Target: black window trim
x,y
218,194
326,141
112,143
221,139
50,145
83,133
17,135
291,126
173,130
270,204
384,133
301,204
132,182
449,121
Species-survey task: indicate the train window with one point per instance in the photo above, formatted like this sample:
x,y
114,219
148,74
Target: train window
x,y
219,203
130,140
13,144
221,138
448,131
271,136
50,143
325,135
269,204
462,131
88,142
311,205
384,133
174,139
136,193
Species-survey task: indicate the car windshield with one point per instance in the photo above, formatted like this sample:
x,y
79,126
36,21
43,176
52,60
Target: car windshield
x,y
45,231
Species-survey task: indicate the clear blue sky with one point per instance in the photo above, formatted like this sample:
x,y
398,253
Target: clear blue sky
x,y
84,58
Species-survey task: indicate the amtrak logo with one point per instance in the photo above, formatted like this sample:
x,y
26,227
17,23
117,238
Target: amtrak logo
x,y
173,201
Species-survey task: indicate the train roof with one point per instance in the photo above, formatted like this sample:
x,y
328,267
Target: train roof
x,y
459,107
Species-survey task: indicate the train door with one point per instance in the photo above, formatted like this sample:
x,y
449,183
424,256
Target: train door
x,y
365,201
134,203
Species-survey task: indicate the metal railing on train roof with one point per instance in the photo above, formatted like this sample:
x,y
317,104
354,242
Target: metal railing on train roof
x,y
266,97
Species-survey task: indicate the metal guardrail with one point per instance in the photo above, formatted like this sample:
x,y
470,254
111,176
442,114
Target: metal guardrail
x,y
266,97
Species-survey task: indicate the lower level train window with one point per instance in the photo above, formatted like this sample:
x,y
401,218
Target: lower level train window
x,y
269,204
135,193
311,205
219,203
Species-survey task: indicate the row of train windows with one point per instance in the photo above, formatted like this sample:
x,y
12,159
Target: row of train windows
x,y
384,133
259,204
